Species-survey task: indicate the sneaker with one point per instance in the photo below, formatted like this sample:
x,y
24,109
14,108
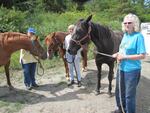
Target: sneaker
x,y
71,83
117,111
79,84
35,85
28,87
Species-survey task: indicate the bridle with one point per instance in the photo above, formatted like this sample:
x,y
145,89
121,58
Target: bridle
x,y
37,58
39,54
34,47
55,43
78,42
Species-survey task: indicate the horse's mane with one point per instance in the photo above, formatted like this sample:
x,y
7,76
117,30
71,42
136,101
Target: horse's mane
x,y
12,36
61,32
51,35
105,37
103,31
100,31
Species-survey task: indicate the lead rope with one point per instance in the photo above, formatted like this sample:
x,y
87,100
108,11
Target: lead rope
x,y
41,66
120,97
39,63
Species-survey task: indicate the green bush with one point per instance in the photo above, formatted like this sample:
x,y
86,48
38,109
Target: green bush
x,y
47,22
11,20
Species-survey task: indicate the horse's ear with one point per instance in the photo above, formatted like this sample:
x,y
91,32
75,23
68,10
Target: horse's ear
x,y
46,40
89,18
52,34
37,38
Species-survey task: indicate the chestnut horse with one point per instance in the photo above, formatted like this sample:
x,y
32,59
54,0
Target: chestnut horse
x,y
54,42
106,41
10,42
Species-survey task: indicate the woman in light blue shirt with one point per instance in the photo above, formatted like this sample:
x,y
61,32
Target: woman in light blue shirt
x,y
131,51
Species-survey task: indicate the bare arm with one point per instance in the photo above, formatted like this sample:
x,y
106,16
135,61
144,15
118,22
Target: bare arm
x,y
131,57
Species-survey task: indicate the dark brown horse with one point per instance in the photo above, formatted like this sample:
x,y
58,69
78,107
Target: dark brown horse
x,y
106,41
13,41
54,42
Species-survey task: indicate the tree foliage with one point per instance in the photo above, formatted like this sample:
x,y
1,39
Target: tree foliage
x,y
17,15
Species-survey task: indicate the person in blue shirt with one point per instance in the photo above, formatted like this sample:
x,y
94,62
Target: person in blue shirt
x,y
131,51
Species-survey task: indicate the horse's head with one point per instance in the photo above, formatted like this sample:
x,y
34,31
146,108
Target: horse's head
x,y
52,44
37,49
80,36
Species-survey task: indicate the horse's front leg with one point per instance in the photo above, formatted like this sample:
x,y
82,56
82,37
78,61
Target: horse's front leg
x,y
67,69
62,53
8,75
98,78
110,77
84,58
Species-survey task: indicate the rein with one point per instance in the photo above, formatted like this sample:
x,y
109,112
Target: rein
x,y
39,62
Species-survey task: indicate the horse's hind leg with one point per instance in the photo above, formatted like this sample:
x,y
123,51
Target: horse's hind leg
x,y
110,78
7,75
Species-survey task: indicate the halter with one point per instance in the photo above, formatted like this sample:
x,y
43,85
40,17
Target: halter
x,y
55,42
35,48
78,42
39,62
33,44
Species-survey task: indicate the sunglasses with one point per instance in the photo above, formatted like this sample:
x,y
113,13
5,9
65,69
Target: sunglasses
x,y
127,23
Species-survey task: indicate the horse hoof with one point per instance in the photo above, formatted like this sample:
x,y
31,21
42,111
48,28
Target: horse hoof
x,y
110,94
84,69
67,78
97,92
11,87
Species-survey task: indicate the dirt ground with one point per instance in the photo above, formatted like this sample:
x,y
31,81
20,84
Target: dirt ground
x,y
53,95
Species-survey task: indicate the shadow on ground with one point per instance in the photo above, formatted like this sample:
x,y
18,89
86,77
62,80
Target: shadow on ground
x,y
33,97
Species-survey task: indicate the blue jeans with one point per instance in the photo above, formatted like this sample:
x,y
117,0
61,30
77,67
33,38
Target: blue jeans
x,y
128,84
29,73
74,66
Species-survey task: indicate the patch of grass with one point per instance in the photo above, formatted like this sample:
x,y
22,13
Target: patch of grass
x,y
52,63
